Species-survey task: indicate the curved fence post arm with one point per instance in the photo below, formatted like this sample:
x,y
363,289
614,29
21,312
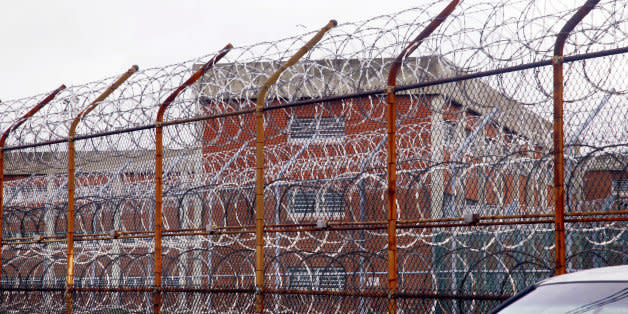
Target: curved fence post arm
x,y
71,184
559,158
159,148
391,190
3,139
259,163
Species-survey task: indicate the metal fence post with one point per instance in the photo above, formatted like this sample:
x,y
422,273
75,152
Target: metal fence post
x,y
391,190
3,139
159,150
559,158
259,164
71,184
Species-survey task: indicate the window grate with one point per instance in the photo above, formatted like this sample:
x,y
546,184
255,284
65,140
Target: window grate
x,y
620,187
312,204
316,278
318,129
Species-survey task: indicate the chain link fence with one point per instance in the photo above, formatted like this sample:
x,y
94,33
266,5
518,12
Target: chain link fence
x,y
131,220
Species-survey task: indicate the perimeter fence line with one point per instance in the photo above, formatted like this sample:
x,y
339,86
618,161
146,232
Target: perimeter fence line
x,y
319,231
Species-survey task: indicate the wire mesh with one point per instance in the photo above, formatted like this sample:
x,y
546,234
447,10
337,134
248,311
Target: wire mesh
x,y
474,171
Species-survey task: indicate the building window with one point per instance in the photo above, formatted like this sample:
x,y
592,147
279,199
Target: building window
x,y
135,282
87,282
328,278
173,281
449,131
306,204
59,281
31,282
467,206
620,192
321,129
28,193
128,240
620,188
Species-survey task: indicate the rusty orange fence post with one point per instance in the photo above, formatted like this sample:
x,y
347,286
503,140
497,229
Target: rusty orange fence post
x,y
391,190
559,158
3,139
259,164
71,184
159,151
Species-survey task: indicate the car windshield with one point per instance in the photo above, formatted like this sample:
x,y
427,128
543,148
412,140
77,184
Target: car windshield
x,y
576,297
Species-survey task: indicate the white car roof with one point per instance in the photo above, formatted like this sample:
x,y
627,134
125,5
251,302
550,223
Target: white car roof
x,y
611,273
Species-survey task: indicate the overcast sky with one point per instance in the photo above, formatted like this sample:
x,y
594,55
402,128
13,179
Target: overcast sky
x,y
46,43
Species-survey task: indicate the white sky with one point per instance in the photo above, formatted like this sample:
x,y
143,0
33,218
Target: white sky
x,y
47,43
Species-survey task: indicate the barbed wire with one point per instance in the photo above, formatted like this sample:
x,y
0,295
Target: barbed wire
x,y
470,146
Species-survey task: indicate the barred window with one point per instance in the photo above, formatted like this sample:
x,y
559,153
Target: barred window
x,y
31,282
620,192
12,282
26,193
59,281
136,281
620,187
449,131
305,204
129,240
333,278
323,129
173,281
467,205
88,282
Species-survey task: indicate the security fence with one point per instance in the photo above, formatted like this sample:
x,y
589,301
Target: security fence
x,y
338,171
